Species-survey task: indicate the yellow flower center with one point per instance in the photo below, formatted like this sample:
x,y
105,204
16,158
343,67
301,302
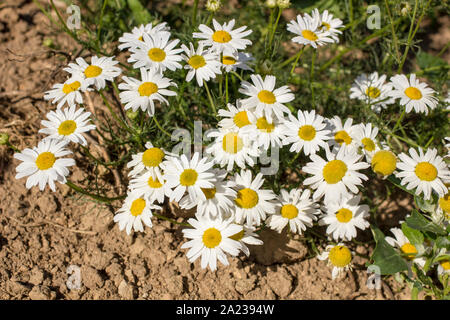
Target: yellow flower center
x,y
326,25
92,71
309,35
154,184
141,38
221,36
426,171
264,126
45,160
238,236
334,171
340,256
344,215
384,162
152,157
232,143
445,265
410,250
209,192
188,177
368,144
241,119
266,97
156,54
71,87
342,137
413,93
373,92
444,202
228,60
197,61
289,211
211,238
137,206
147,89
246,198
307,132
67,127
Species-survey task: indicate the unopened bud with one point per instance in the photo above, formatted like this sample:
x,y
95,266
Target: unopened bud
x,y
271,3
4,138
213,5
405,8
283,4
132,114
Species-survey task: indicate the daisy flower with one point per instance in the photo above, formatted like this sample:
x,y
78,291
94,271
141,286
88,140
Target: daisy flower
x,y
191,176
444,204
218,200
129,40
413,94
307,131
236,117
329,24
344,216
135,212
97,73
309,32
204,65
68,124
343,134
373,90
223,37
264,98
150,160
294,208
252,202
149,187
425,172
410,251
340,257
156,52
232,147
210,240
43,164
142,94
366,136
265,134
231,61
384,162
443,265
336,175
69,91
247,236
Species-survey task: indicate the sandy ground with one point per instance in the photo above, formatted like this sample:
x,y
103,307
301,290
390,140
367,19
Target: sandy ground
x,y
42,234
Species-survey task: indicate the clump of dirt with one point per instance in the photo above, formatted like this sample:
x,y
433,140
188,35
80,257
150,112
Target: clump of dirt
x,y
47,239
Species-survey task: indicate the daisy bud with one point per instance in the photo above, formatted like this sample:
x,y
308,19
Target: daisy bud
x,y
271,3
4,139
405,8
132,114
283,4
213,5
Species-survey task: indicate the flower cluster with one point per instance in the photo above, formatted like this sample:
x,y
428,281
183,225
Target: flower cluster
x,y
232,208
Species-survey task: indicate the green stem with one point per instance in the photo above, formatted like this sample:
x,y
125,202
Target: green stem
x,y
294,65
115,116
237,75
171,220
272,34
394,35
194,14
311,75
213,107
226,88
100,23
13,147
93,196
399,120
160,127
101,162
210,18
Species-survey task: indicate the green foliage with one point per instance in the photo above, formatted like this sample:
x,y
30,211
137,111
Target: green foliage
x,y
419,222
384,256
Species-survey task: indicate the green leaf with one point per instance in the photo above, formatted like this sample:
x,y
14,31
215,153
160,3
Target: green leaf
x,y
419,222
425,205
385,257
414,236
140,14
428,61
443,242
